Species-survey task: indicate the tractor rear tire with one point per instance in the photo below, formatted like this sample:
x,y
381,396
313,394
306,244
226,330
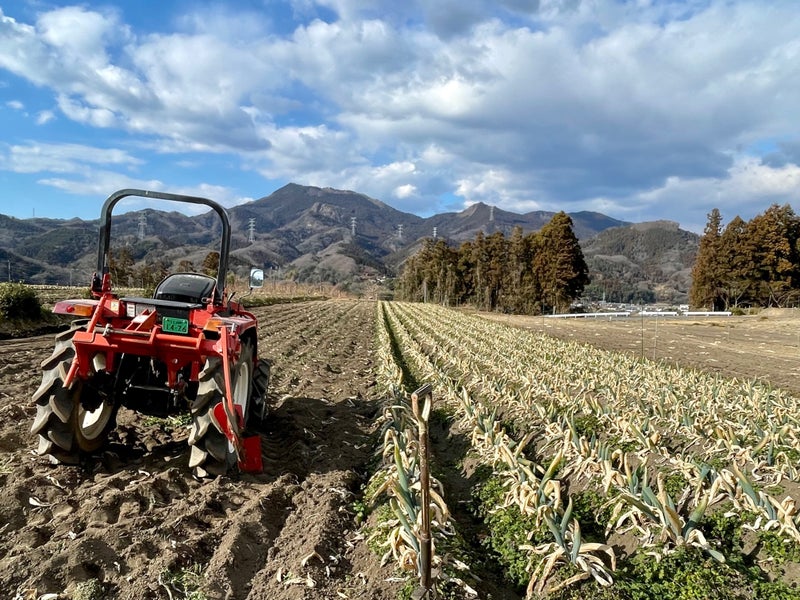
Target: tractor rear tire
x,y
66,426
212,454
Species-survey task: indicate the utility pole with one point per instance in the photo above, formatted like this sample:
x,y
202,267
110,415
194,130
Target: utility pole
x,y
9,270
400,232
251,230
435,232
353,226
491,214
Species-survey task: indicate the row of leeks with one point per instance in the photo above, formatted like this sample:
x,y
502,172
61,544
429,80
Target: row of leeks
x,y
399,473
649,420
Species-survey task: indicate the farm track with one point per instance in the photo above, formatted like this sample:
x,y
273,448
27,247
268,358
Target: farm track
x,y
133,517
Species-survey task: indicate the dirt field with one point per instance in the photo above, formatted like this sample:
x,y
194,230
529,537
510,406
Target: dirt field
x,y
133,523
764,347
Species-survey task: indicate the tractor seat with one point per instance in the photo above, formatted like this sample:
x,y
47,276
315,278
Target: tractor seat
x,y
185,287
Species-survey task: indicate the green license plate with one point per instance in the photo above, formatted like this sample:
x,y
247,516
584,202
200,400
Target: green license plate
x,y
175,325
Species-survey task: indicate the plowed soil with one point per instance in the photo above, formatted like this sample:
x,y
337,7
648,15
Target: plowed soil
x,y
132,522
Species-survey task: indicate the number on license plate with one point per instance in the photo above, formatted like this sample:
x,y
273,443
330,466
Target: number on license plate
x,y
175,325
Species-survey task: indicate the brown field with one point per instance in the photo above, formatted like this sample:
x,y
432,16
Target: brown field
x,y
135,524
765,347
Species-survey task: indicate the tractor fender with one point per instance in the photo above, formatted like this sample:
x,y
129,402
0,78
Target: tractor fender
x,y
236,325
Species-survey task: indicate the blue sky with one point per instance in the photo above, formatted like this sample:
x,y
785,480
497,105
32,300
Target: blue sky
x,y
639,109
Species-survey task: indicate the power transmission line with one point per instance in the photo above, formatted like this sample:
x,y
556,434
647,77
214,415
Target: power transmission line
x,y
142,226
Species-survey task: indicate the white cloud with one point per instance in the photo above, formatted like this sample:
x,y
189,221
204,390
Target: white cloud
x,y
97,183
523,104
79,34
15,104
61,158
44,117
405,191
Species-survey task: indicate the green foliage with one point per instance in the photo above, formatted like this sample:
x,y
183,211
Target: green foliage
x,y
725,530
748,263
523,274
707,270
593,512
690,574
186,582
382,514
778,548
559,264
587,425
18,301
169,423
91,589
675,484
508,530
686,574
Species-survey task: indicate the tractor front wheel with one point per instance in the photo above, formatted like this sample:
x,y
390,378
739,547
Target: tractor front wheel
x,y
212,453
70,421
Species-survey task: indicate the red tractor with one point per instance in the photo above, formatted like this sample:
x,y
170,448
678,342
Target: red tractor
x,y
188,348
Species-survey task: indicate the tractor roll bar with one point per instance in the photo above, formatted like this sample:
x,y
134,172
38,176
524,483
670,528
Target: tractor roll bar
x,y
105,228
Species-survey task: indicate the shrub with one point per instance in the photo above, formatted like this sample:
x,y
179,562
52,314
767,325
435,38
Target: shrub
x,y
18,301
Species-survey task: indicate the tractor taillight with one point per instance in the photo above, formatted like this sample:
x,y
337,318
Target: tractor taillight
x,y
211,328
76,309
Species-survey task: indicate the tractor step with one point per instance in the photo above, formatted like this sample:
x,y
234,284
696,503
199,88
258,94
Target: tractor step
x,y
250,455
251,459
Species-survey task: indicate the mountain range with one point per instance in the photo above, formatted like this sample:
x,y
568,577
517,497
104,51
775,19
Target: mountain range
x,y
325,235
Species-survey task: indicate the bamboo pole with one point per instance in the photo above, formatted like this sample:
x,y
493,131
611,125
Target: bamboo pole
x,y
422,414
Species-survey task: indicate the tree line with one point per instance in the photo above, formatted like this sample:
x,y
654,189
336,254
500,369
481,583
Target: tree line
x,y
151,271
748,263
524,274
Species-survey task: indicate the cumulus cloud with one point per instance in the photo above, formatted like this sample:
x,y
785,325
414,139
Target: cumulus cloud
x,y
525,104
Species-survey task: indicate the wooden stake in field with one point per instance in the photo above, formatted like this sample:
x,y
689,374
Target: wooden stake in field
x,y
422,415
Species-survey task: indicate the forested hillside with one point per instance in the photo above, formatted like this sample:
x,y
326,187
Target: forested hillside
x,y
641,263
